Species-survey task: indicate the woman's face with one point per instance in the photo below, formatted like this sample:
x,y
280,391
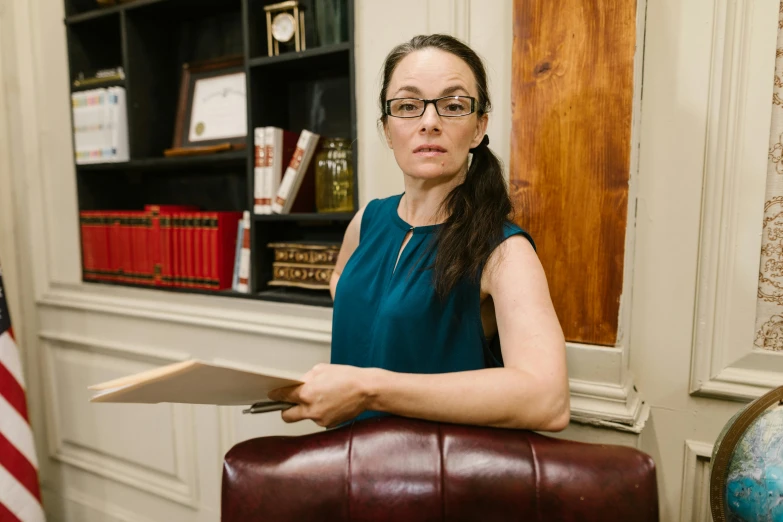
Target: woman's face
x,y
432,146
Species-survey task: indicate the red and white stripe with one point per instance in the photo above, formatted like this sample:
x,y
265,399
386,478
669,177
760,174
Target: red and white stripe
x,y
20,494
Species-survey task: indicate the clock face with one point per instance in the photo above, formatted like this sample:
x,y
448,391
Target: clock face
x,y
283,26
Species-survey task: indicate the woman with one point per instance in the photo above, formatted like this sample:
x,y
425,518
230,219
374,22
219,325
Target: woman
x,y
426,280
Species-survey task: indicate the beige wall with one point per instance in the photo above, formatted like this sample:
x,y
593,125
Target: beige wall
x,y
484,24
703,146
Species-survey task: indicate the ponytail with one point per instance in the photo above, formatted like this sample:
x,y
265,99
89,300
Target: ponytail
x,y
477,209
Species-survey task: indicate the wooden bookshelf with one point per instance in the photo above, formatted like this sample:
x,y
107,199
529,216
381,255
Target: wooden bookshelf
x,y
151,40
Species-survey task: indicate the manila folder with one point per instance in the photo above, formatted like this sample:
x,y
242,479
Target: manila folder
x,y
194,382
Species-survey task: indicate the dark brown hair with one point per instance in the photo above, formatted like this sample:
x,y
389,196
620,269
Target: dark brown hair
x,y
477,208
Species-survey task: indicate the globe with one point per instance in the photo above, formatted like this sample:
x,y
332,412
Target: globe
x,y
746,479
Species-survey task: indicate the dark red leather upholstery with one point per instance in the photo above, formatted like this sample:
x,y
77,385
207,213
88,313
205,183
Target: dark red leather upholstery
x,y
409,470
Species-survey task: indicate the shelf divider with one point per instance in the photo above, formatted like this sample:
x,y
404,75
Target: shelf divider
x,y
175,162
301,55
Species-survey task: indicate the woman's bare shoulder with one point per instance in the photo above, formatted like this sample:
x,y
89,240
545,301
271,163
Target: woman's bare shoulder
x,y
355,226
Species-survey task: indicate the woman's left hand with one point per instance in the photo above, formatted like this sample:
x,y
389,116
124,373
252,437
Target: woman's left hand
x,y
331,394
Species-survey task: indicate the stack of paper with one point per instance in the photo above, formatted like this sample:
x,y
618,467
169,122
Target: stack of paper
x,y
194,382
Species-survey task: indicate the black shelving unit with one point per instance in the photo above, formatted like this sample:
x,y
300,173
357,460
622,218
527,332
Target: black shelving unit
x,y
151,39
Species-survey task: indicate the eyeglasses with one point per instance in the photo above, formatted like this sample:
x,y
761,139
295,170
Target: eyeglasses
x,y
448,106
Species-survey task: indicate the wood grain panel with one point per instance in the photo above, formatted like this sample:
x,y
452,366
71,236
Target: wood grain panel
x,y
572,97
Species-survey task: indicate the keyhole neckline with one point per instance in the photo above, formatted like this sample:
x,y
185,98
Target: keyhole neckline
x,y
404,225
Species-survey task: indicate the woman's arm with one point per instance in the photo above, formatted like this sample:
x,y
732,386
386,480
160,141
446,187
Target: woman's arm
x,y
530,392
349,244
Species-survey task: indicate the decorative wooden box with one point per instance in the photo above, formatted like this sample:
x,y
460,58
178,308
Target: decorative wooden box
x,y
304,264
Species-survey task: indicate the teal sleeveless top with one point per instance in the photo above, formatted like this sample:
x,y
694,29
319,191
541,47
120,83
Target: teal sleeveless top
x,y
390,317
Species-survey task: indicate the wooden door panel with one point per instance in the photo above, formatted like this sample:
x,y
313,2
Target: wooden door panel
x,y
572,97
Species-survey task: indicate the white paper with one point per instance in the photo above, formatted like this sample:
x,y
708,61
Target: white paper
x,y
196,382
219,109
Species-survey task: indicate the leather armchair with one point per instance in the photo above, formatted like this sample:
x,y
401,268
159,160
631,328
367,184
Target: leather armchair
x,y
395,468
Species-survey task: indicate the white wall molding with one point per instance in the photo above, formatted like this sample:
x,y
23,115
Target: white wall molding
x,y
223,313
741,384
616,407
695,501
461,20
724,362
103,511
629,260
449,17
227,431
603,392
180,486
116,349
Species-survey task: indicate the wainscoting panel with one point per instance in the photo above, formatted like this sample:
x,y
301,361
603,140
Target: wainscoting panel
x,y
695,505
150,447
725,362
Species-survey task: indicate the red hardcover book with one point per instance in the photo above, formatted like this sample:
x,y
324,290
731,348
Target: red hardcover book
x,y
176,249
88,258
155,242
165,249
137,261
135,247
187,229
97,243
198,262
113,234
94,238
196,239
136,264
304,200
102,235
206,259
195,224
150,249
160,241
212,250
126,273
184,218
119,249
206,250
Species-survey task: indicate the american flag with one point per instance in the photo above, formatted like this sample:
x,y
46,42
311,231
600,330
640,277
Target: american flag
x,y
20,494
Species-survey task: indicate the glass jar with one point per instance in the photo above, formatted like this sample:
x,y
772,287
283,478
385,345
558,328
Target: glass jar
x,y
334,176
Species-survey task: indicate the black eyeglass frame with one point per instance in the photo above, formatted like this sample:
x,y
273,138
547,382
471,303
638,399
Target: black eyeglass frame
x,y
433,102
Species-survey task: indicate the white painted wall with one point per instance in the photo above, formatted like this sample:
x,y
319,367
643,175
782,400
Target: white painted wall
x,y
485,25
708,77
75,333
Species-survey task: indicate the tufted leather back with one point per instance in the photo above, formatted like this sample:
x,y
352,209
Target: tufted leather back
x,y
410,470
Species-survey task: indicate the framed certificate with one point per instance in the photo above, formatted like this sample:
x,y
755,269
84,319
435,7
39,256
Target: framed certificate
x,y
212,109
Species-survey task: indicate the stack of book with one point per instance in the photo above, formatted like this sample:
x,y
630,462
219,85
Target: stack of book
x,y
284,173
304,264
162,245
100,125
